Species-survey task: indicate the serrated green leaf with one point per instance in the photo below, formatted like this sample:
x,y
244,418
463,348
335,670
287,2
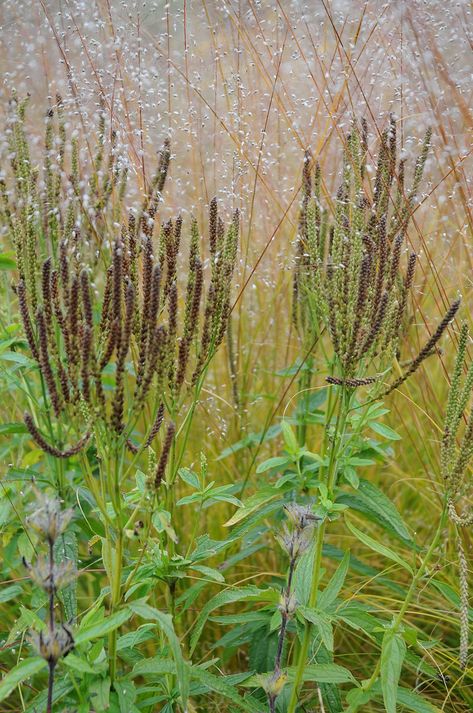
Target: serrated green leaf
x,y
154,666
378,547
219,685
27,620
103,627
189,499
332,590
413,702
321,622
165,623
10,592
253,503
351,477
99,692
17,358
78,664
158,666
19,673
66,550
276,462
189,477
61,689
392,656
372,502
229,596
209,572
385,431
358,618
303,575
290,439
7,428
323,673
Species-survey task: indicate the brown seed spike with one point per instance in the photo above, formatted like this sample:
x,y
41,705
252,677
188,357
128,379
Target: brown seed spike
x,y
306,176
74,318
111,344
163,459
154,296
86,299
213,216
376,325
47,447
45,364
86,353
25,317
411,266
127,330
156,426
46,291
351,383
427,349
106,301
117,279
163,167
64,269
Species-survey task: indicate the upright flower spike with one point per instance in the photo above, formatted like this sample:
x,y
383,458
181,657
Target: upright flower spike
x,y
454,464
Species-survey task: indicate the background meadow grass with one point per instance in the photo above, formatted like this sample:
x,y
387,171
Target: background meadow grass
x,y
243,88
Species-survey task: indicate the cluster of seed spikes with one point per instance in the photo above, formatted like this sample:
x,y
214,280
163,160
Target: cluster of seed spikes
x,y
348,275
106,345
454,462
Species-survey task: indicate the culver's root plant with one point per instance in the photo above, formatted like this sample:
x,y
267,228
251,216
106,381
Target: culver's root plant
x,y
351,291
122,328
350,283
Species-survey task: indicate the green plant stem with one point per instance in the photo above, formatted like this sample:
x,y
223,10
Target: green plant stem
x,y
117,566
116,562
303,651
304,388
337,444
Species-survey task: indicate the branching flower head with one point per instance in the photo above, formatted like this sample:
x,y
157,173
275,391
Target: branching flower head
x,y
349,279
103,309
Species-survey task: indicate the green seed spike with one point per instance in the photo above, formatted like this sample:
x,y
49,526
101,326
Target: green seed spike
x,y
453,403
